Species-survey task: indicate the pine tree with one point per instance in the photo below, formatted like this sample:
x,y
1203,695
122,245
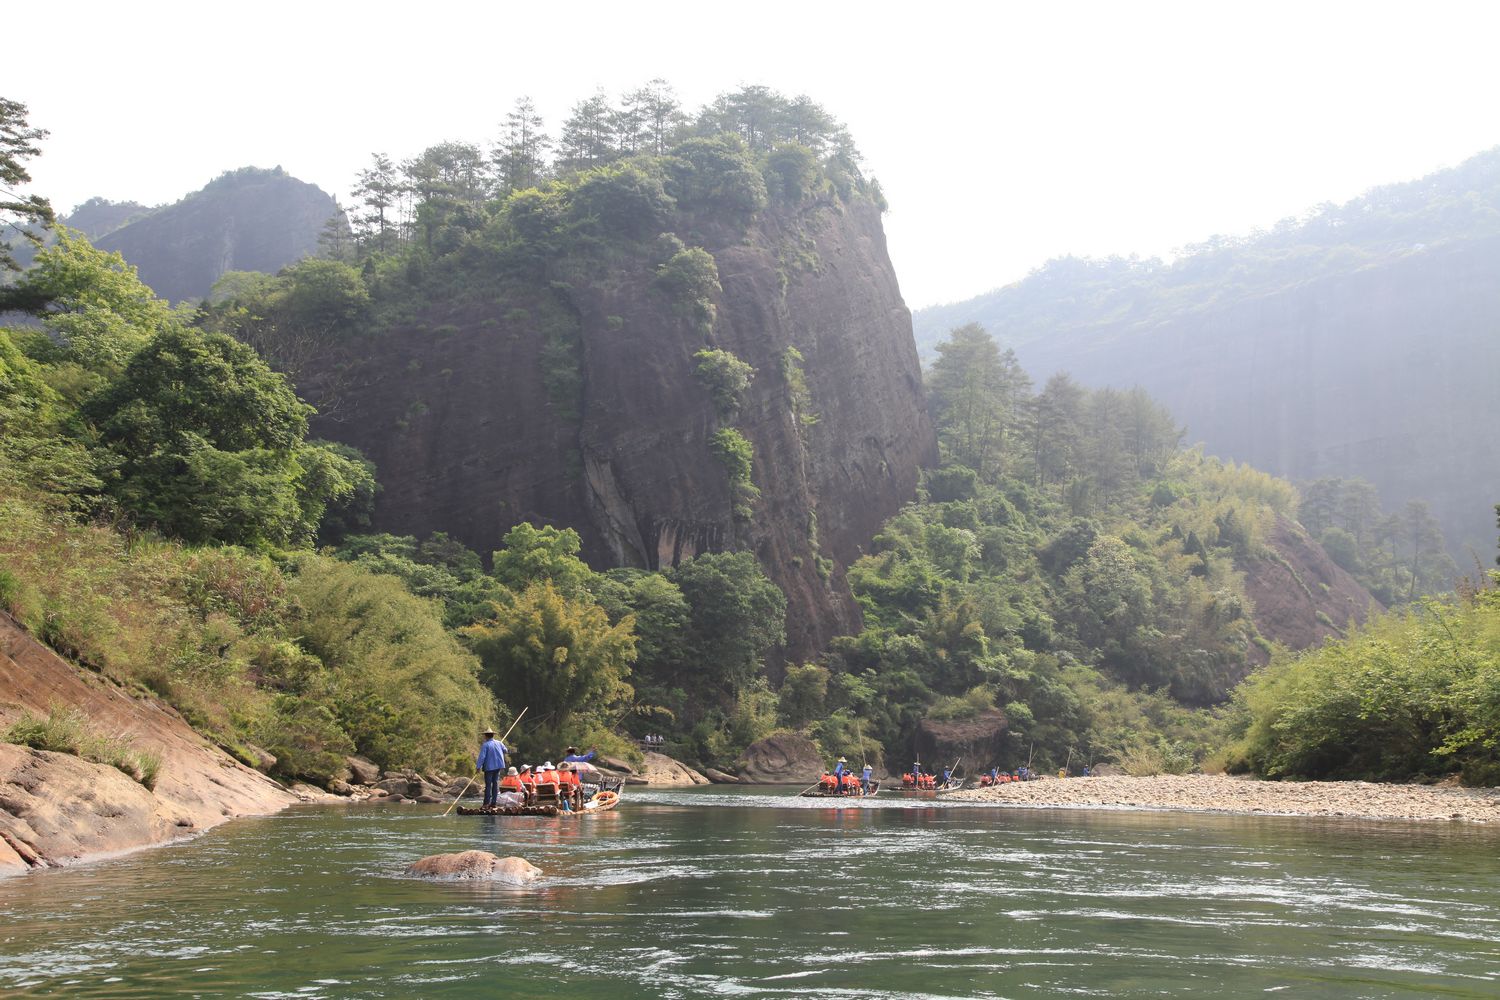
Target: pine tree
x,y
520,155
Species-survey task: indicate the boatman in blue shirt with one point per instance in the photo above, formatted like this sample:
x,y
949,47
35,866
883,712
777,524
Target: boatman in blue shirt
x,y
573,756
492,762
838,774
865,779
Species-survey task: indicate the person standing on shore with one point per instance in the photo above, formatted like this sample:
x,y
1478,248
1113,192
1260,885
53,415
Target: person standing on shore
x,y
491,761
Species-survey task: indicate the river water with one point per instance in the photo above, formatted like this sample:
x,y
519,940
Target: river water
x,y
708,892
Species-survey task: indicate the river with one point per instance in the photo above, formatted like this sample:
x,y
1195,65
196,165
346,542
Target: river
x,y
708,892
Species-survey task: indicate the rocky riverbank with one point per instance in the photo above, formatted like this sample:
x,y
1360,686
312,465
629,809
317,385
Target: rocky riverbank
x,y
57,809
1225,794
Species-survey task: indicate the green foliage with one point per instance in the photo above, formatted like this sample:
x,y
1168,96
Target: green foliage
x,y
398,683
804,694
726,378
533,555
791,172
560,654
204,442
92,303
735,452
438,568
23,214
691,278
716,175
796,384
1398,556
1415,693
67,730
737,616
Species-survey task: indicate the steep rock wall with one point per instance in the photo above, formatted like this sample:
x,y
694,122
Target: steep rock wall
x,y
474,426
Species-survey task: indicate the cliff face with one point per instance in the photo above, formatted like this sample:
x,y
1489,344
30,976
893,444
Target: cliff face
x,y
575,402
246,220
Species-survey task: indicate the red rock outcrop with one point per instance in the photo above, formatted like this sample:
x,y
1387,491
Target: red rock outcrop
x,y
56,809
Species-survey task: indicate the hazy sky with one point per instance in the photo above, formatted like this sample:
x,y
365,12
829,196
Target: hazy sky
x,y
1003,134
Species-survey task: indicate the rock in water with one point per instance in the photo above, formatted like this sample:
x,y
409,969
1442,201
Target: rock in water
x,y
719,777
663,770
786,758
475,866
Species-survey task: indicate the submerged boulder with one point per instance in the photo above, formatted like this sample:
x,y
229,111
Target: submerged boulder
x,y
781,759
475,866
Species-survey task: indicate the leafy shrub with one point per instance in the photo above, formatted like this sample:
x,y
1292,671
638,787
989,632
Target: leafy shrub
x,y
726,378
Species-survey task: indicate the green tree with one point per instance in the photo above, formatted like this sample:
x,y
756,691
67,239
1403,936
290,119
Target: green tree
x,y
532,555
588,136
558,655
20,214
977,393
520,155
726,378
377,192
206,443
93,303
738,616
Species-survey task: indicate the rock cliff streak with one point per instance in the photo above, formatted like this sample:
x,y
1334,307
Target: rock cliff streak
x,y
462,414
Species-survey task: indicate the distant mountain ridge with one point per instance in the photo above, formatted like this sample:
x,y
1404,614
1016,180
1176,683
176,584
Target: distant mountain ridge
x,y
251,219
1361,341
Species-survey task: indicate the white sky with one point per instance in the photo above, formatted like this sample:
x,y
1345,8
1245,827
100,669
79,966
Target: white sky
x,y
1003,134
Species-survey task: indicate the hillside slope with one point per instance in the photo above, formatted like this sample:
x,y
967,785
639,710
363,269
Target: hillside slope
x,y
1363,341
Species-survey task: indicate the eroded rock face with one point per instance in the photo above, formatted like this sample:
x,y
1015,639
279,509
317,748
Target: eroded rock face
x,y
57,809
979,743
456,413
659,769
782,759
475,866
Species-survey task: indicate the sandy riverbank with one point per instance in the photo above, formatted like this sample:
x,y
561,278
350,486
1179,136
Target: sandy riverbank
x,y
1224,794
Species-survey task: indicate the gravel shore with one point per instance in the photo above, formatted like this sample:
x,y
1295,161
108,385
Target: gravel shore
x,y
1224,794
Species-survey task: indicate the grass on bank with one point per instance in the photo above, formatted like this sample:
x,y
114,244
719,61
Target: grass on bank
x,y
67,730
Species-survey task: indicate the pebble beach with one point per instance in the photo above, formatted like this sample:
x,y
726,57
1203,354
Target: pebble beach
x,y
1224,794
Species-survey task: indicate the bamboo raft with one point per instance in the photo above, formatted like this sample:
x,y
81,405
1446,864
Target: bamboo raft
x,y
818,793
952,786
603,801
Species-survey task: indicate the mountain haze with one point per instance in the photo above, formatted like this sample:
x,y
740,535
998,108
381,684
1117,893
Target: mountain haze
x,y
249,219
1361,341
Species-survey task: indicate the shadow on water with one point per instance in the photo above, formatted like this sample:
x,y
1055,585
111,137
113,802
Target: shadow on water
x,y
752,893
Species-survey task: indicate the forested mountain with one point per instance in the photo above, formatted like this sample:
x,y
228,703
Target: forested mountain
x,y
680,339
249,219
1360,341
